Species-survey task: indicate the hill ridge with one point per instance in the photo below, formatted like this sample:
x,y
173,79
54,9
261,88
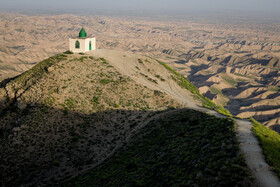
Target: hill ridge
x,y
97,76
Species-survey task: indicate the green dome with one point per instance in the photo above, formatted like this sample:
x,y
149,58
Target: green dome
x,y
82,33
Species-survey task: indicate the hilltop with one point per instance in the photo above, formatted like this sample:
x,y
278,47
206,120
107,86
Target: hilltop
x,y
72,113
234,62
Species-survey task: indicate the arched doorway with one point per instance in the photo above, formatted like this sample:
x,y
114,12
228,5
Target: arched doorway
x,y
77,45
90,45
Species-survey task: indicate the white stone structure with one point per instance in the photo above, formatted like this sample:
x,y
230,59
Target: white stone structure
x,y
82,43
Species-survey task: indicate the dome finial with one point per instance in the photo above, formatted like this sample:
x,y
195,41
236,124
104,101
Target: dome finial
x,y
82,33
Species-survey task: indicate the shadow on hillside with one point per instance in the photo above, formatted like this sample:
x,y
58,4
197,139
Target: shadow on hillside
x,y
181,62
262,118
273,96
195,69
42,145
275,128
4,82
234,105
201,80
261,108
233,92
40,142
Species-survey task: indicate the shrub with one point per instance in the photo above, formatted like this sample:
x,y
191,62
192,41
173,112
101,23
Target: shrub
x,y
81,59
105,81
68,52
103,59
140,61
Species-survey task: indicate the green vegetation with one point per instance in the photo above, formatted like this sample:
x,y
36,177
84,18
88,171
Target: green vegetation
x,y
215,90
103,59
238,74
161,28
7,68
159,77
19,30
182,148
182,81
146,60
148,78
230,80
240,80
274,88
105,81
140,25
95,100
68,104
219,38
68,52
140,61
38,71
270,143
49,101
209,32
246,76
185,83
81,59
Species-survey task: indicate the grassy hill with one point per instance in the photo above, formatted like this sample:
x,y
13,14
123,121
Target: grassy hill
x,y
70,113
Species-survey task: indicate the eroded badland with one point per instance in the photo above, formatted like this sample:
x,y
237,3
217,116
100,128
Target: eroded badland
x,y
234,61
123,115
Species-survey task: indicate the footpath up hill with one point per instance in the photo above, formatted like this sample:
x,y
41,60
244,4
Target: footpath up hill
x,y
75,114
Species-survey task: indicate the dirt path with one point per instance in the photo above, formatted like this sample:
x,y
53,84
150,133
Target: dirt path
x,y
126,63
254,157
249,145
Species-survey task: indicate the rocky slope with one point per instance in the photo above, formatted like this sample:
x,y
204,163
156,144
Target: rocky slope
x,y
70,113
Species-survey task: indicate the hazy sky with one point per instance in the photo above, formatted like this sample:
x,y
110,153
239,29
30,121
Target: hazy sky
x,y
265,6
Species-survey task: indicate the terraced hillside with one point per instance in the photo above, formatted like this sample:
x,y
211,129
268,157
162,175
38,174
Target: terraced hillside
x,y
71,113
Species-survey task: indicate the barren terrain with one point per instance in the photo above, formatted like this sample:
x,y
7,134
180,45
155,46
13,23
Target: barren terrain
x,y
233,60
